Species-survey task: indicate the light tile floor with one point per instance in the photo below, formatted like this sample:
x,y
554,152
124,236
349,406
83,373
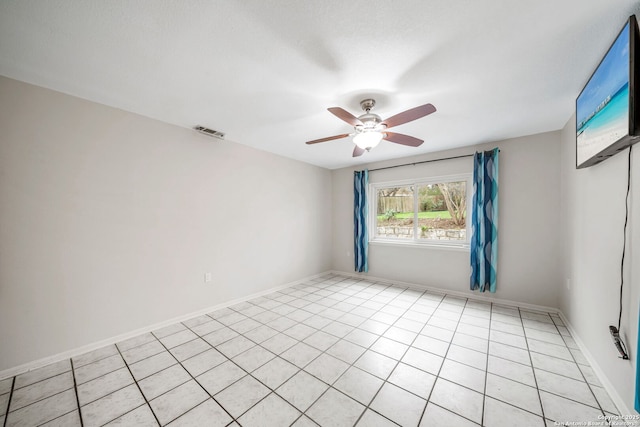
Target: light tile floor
x,y
334,351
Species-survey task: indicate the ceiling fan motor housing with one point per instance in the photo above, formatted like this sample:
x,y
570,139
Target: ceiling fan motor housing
x,y
370,123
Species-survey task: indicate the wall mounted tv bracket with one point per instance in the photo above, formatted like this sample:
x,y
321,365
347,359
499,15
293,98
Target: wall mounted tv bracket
x,y
615,335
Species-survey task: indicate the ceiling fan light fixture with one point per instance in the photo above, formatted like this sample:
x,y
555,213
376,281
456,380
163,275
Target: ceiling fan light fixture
x,y
368,140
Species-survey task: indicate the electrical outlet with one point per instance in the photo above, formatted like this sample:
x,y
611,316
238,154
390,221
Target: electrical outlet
x,y
568,284
207,278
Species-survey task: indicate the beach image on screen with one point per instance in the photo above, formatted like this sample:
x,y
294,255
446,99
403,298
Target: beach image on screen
x,y
602,115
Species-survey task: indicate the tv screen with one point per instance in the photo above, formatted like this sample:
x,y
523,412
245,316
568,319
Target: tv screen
x,y
605,110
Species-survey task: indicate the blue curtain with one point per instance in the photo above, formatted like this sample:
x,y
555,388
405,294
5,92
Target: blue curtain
x,y
361,241
484,221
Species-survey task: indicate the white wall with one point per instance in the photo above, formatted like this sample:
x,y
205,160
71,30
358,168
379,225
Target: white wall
x,y
593,216
109,220
529,264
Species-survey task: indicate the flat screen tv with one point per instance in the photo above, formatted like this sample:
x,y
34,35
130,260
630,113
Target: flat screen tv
x,y
606,111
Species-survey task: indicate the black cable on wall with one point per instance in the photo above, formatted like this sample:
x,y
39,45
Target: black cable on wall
x,y
615,333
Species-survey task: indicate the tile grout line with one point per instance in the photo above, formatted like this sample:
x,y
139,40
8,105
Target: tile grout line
x,y
192,378
440,370
234,419
540,353
501,376
535,378
348,296
211,347
39,381
100,358
443,296
13,384
75,391
530,366
385,381
302,413
109,394
330,386
230,359
257,344
300,369
486,369
42,398
486,372
589,385
456,383
274,391
139,389
162,351
449,344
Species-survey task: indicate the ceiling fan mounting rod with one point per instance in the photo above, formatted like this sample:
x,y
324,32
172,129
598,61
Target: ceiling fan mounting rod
x,y
367,104
369,122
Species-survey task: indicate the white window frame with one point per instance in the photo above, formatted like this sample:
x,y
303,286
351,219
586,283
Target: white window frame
x,y
416,241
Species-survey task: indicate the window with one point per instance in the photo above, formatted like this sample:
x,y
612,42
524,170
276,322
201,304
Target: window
x,y
429,211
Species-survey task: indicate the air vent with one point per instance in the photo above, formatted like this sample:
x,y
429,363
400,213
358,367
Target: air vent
x,y
210,132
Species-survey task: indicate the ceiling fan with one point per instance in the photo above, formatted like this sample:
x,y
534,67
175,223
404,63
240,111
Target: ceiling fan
x,y
370,129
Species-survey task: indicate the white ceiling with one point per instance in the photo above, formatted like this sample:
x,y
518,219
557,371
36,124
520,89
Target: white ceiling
x,y
265,71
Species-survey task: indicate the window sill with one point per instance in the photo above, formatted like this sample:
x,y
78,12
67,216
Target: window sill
x,y
411,244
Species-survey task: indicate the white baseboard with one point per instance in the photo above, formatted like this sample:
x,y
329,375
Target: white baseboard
x,y
615,396
7,373
461,294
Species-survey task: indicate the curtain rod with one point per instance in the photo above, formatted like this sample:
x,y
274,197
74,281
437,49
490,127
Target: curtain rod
x,y
424,161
